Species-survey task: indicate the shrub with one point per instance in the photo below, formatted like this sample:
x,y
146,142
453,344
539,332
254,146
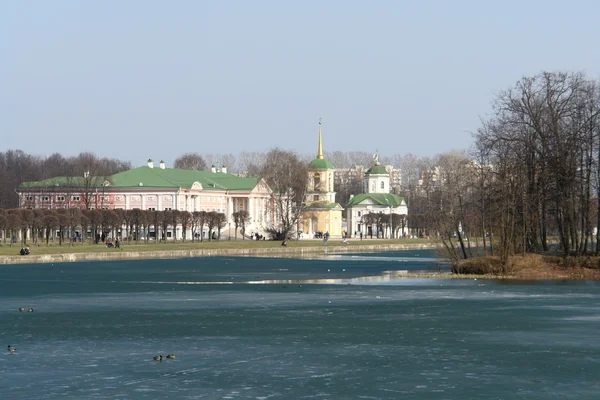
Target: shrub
x,y
479,266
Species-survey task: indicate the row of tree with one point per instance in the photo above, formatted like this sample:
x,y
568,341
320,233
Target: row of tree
x,y
17,167
533,173
76,225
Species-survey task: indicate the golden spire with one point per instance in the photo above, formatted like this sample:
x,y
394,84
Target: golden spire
x,y
320,153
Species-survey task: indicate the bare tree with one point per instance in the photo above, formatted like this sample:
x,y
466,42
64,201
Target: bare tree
x,y
190,161
240,219
287,176
50,224
185,218
250,163
202,218
220,223
211,222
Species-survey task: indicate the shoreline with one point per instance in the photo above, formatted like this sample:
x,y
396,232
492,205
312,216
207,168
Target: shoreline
x,y
275,252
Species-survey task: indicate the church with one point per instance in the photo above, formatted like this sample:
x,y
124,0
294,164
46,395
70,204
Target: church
x,y
376,201
321,214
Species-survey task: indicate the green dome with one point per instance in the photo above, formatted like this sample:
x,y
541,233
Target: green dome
x,y
319,163
377,170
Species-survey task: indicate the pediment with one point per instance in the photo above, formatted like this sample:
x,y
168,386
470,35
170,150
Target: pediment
x,y
262,188
196,185
367,202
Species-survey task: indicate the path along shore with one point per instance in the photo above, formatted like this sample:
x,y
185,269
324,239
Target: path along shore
x,y
199,252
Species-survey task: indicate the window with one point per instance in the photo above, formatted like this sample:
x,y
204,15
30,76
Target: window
x,y
358,213
60,198
150,198
29,198
316,197
152,208
317,182
382,185
168,208
105,198
118,198
75,198
45,198
105,207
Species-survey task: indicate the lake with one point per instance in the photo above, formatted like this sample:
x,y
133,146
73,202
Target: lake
x,y
339,327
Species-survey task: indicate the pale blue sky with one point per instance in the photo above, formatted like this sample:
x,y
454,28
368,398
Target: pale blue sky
x,y
154,79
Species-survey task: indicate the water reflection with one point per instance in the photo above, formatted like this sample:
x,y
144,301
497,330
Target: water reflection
x,y
384,276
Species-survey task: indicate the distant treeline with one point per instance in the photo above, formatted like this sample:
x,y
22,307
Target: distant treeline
x,y
17,166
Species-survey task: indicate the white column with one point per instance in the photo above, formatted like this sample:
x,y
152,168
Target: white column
x,y
143,196
251,208
175,205
158,205
126,201
229,208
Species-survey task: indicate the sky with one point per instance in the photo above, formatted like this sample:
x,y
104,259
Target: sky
x,y
155,79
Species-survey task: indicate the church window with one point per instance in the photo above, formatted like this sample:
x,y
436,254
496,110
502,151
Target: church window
x,y
373,187
317,181
382,185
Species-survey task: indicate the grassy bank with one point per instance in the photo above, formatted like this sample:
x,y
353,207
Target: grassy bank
x,y
87,252
54,248
532,266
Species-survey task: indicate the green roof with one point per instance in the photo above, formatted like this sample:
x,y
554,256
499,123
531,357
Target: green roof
x,y
319,163
323,206
377,170
181,178
66,181
158,178
383,199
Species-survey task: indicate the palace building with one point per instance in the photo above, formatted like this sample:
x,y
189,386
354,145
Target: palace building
x,y
151,188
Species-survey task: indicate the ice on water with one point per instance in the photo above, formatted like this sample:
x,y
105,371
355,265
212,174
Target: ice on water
x,y
321,328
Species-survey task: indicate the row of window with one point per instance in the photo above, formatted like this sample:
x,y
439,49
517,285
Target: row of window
x,y
60,198
106,198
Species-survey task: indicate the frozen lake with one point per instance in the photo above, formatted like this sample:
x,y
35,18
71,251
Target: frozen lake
x,y
341,327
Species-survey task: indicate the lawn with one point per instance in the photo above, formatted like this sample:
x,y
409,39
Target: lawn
x,y
54,248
